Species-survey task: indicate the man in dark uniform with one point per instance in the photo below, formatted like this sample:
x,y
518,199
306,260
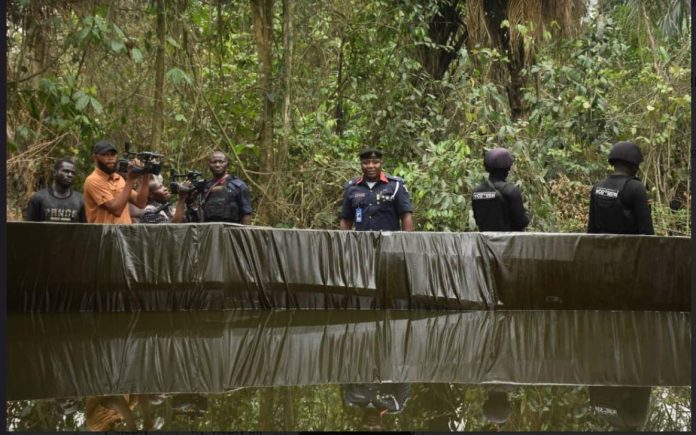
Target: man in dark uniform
x,y
225,198
376,201
619,203
58,203
624,408
498,204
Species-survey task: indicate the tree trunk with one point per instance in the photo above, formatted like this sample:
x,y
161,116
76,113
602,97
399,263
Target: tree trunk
x,y
514,87
38,42
262,11
288,14
266,409
443,30
338,110
158,105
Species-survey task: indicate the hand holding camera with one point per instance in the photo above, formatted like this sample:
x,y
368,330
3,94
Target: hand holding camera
x,y
144,162
193,183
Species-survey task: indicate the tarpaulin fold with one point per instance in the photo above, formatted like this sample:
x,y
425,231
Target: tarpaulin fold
x,y
68,267
77,354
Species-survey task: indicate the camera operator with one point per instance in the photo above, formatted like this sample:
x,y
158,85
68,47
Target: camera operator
x,y
106,193
158,209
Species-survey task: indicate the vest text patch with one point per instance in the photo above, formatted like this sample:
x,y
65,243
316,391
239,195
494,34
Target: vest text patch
x,y
609,193
484,195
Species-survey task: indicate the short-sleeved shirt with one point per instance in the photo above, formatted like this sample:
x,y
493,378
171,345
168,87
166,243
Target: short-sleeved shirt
x,y
44,206
101,418
376,208
100,188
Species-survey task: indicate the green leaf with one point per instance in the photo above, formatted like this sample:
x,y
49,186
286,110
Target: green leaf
x,y
81,100
96,105
117,46
136,55
176,76
173,42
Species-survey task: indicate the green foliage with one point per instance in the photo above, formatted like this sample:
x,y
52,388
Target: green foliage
x,y
359,78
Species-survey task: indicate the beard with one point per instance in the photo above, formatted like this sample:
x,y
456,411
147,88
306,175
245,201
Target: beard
x,y
105,168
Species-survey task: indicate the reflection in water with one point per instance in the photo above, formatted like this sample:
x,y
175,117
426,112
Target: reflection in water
x,y
418,406
343,370
376,400
624,408
497,407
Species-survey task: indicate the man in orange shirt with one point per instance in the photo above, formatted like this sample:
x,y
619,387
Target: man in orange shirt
x,y
106,193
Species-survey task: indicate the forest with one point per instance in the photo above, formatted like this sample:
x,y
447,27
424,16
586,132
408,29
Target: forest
x,y
291,91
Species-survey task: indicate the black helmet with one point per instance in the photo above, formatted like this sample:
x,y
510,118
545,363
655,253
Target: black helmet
x,y
497,407
627,152
498,158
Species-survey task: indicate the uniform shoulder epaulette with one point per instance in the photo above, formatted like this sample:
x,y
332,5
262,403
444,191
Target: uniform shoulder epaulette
x,y
237,181
350,182
394,178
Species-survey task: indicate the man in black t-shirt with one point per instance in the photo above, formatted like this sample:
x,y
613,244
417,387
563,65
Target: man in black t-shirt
x,y
619,203
58,203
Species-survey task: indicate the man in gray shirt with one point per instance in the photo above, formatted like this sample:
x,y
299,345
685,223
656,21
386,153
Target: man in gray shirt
x,y
58,202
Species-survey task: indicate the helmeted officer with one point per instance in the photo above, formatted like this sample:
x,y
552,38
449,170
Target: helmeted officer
x,y
376,201
624,408
497,407
619,203
225,198
498,204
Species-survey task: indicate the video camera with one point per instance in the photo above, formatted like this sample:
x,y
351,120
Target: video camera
x,y
195,177
151,162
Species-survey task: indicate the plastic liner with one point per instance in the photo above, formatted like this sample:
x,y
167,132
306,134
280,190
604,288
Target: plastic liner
x,y
68,267
78,354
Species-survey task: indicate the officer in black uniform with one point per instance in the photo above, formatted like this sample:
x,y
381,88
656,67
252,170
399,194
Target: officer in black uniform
x,y
498,204
225,198
497,407
624,408
619,203
376,201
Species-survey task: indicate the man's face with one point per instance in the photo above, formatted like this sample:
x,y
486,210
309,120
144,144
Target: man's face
x,y
159,193
107,161
218,164
65,175
371,168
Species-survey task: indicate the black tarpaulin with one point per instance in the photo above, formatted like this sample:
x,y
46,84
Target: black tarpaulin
x,y
78,354
68,267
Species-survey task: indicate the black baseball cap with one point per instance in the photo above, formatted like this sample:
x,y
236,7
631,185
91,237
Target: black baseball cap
x,y
103,146
371,153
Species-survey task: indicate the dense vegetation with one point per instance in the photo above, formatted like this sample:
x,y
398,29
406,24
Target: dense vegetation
x,y
292,90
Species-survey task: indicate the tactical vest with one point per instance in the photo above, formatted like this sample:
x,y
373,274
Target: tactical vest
x,y
491,210
221,202
610,215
